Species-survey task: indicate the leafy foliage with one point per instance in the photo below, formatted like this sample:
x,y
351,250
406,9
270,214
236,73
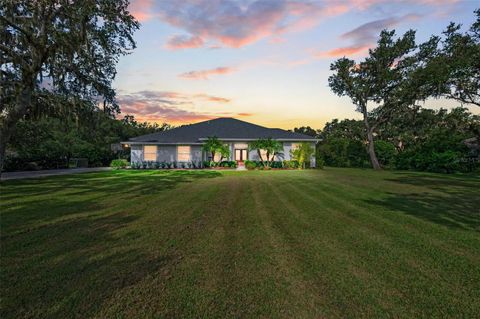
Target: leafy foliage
x,y
423,139
379,80
59,57
449,65
50,142
303,153
270,146
119,163
213,146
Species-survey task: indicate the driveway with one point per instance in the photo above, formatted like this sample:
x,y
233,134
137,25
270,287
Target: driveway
x,y
50,172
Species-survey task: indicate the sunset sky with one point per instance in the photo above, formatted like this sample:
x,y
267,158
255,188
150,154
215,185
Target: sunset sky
x,y
265,62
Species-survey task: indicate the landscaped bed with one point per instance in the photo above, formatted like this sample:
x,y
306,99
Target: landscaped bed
x,y
204,243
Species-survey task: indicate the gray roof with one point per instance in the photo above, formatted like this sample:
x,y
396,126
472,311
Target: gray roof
x,y
224,128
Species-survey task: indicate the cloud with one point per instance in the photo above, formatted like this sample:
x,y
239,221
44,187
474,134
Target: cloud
x,y
184,42
171,107
239,23
364,36
141,9
340,52
368,32
205,74
212,98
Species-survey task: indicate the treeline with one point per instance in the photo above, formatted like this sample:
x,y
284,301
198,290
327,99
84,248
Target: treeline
x,y
52,142
388,86
423,139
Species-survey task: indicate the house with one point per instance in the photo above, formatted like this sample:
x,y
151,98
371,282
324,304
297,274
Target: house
x,y
184,144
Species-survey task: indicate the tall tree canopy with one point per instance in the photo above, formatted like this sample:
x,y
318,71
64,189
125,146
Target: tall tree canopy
x,y
59,53
449,66
377,80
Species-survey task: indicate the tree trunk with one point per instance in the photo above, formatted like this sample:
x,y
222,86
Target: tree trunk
x,y
371,151
9,123
260,157
371,145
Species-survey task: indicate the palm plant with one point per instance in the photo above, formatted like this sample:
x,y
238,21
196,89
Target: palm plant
x,y
270,146
224,151
303,153
212,145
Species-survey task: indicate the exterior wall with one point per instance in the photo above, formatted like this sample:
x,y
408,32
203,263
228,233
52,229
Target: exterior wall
x,y
136,153
166,153
287,147
196,153
313,158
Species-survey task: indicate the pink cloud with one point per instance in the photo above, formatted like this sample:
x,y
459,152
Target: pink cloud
x,y
364,37
340,52
205,74
171,107
236,24
141,9
184,42
212,98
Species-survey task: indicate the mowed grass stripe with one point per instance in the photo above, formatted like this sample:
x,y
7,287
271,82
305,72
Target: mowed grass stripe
x,y
331,243
366,246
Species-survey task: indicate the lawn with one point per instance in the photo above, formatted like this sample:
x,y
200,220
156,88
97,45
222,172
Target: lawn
x,y
318,243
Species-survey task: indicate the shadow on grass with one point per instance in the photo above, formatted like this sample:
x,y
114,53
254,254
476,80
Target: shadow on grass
x,y
28,202
452,201
72,267
45,272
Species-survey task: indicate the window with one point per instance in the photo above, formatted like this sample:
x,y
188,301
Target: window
x,y
150,152
183,153
295,146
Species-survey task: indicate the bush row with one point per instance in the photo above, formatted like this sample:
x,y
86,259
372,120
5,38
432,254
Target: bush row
x,y
212,164
273,164
171,165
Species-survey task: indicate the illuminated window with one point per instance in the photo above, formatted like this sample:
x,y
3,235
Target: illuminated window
x,y
150,152
183,153
295,146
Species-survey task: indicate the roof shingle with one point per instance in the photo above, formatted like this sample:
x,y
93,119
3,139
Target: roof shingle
x,y
224,128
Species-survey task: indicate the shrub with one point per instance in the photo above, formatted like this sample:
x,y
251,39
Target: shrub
x,y
135,165
231,164
319,163
291,164
385,152
119,163
250,165
276,164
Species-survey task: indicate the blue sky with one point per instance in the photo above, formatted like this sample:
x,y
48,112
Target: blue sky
x,y
265,62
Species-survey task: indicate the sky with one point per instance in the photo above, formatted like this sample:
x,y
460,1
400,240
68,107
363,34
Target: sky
x,y
261,61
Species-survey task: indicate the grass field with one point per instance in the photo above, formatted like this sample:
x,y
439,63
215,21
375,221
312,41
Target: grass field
x,y
293,244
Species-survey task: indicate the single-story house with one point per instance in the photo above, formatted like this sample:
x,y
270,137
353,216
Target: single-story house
x,y
184,144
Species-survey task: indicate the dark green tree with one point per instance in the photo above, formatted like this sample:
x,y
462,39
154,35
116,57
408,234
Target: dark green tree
x,y
59,53
378,80
306,130
449,66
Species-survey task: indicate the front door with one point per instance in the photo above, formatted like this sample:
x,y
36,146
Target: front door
x,y
240,155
